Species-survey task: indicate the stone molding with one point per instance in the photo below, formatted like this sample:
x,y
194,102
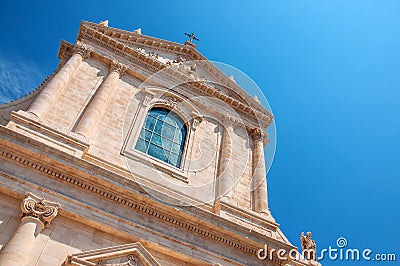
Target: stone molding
x,y
128,38
137,206
174,74
232,121
136,254
167,101
91,34
44,210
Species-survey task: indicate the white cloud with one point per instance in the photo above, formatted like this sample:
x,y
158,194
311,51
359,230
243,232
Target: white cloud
x,y
17,78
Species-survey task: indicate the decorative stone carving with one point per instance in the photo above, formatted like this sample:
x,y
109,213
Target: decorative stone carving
x,y
229,120
192,67
147,96
196,122
82,49
169,101
258,134
118,67
179,59
138,31
104,23
35,206
308,246
265,118
140,50
153,55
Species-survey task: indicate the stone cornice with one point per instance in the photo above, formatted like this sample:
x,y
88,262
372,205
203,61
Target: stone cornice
x,y
175,75
130,201
168,46
108,39
139,206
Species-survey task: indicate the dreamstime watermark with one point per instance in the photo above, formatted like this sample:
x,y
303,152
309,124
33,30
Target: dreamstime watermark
x,y
340,252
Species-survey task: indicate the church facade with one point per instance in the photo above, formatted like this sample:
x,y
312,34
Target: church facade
x,y
136,151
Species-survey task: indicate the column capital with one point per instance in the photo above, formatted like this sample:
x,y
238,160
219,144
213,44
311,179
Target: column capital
x,y
258,135
82,49
118,67
40,208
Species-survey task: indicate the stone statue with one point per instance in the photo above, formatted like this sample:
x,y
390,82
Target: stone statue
x,y
308,246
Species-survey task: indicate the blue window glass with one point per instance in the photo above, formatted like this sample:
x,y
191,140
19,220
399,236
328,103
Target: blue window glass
x,y
162,136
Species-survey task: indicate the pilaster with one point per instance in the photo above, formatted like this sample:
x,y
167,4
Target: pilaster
x,y
57,84
259,182
96,107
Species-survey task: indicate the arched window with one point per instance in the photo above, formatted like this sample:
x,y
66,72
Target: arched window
x,y
162,136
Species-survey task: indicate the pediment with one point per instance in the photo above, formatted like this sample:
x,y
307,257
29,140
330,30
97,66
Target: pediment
x,y
123,255
182,58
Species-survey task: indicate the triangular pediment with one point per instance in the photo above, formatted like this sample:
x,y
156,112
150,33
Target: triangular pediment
x,y
179,57
130,255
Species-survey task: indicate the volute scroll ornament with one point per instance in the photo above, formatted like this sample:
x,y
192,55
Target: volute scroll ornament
x,y
40,208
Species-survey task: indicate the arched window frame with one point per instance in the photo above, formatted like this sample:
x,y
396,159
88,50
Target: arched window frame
x,y
186,112
159,144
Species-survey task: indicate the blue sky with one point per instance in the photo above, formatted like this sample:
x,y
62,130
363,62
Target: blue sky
x,y
329,69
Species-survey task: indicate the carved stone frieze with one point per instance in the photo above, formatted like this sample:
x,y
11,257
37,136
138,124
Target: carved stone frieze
x,y
153,55
140,50
168,101
98,35
156,213
128,51
232,121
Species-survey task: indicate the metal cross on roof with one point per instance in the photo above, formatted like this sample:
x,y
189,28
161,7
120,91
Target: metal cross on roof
x,y
191,37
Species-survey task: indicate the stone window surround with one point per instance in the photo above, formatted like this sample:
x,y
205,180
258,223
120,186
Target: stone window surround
x,y
189,115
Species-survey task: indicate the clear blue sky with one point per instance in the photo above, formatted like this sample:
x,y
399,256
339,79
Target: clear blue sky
x,y
330,70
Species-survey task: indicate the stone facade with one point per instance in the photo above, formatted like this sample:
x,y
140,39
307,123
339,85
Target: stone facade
x,y
87,196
